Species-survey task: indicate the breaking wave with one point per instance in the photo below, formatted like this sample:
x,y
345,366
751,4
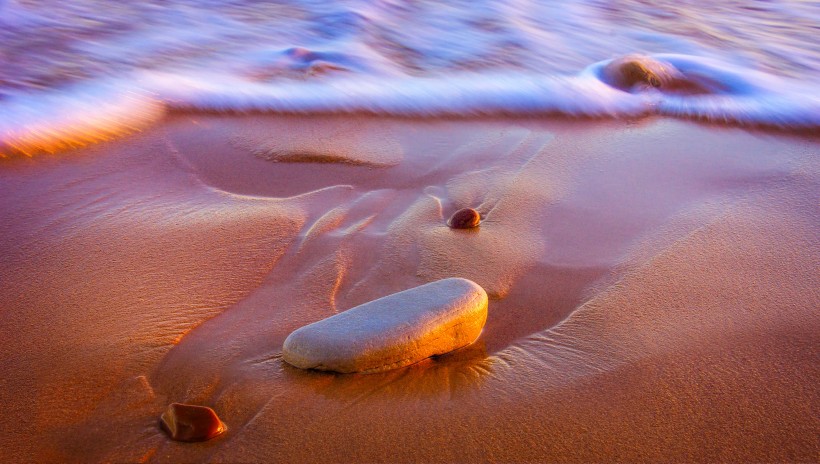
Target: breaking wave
x,y
75,73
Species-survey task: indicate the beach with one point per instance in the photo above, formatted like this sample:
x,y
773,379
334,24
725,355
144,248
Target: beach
x,y
653,294
204,204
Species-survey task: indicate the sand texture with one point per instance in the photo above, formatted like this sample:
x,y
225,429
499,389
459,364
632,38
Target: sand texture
x,y
653,286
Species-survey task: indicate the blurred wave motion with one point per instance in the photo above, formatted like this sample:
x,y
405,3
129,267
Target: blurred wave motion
x,y
83,71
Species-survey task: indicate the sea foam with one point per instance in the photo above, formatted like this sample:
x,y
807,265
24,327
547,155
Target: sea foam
x,y
58,120
74,73
738,96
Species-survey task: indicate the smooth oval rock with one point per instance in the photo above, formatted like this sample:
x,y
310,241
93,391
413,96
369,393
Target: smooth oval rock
x,y
394,331
465,218
188,422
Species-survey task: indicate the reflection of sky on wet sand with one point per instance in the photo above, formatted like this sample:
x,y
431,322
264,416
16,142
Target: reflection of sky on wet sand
x,y
176,285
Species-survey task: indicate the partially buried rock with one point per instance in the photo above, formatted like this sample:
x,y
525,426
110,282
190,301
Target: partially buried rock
x,y
638,72
465,218
394,331
187,422
630,71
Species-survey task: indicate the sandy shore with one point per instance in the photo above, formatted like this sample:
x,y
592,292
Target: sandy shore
x,y
653,290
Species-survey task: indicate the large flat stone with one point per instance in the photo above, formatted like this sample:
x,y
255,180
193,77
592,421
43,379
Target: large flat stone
x,y
394,331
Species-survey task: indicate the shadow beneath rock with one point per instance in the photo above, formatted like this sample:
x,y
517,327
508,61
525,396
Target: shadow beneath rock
x,y
453,374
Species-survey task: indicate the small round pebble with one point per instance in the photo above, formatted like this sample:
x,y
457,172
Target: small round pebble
x,y
465,218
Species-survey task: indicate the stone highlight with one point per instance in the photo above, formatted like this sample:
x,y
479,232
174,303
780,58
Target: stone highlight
x,y
394,331
187,422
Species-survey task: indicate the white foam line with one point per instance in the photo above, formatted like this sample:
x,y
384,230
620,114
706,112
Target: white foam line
x,y
60,119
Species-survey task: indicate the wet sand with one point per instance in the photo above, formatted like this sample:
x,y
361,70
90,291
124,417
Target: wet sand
x,y
653,290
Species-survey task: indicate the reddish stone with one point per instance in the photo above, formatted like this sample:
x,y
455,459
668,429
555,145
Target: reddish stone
x,y
187,422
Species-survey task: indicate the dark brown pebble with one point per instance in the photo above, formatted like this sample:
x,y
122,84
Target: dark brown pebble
x,y
465,218
187,422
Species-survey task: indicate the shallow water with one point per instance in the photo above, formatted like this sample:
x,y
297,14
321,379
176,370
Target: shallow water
x,y
84,71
